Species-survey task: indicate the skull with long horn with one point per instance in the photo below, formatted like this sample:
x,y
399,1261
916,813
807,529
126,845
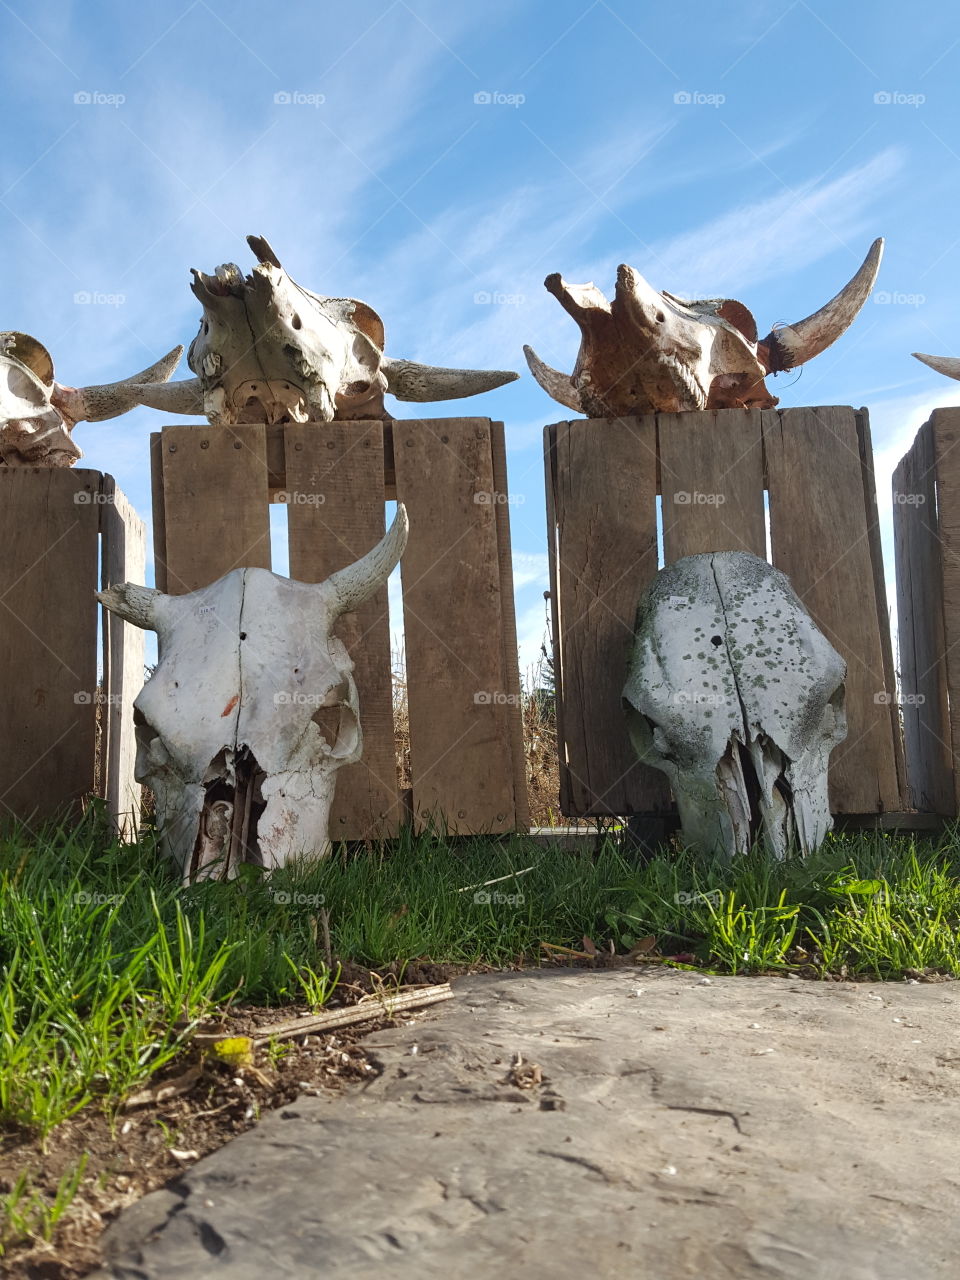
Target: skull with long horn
x,y
251,709
271,351
38,414
650,352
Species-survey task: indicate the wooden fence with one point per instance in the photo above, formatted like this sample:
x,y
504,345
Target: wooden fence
x,y
211,493
718,474
66,734
926,527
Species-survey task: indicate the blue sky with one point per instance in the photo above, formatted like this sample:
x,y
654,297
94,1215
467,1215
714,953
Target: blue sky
x,y
812,129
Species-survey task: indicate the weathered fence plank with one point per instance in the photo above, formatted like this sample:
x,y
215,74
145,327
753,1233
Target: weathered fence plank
x,y
334,482
460,756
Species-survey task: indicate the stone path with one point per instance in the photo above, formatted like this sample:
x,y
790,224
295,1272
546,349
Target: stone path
x,y
725,1129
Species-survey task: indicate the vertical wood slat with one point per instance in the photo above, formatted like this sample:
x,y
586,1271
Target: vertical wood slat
x,y
551,484
461,764
510,676
872,509
820,539
158,510
48,638
334,496
122,559
920,626
215,498
946,442
604,503
711,467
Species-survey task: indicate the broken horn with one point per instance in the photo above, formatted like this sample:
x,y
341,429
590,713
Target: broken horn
x,y
133,603
950,365
350,587
794,344
111,399
555,384
408,380
264,253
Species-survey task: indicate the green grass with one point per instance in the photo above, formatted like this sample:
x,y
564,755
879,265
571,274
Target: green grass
x,y
107,963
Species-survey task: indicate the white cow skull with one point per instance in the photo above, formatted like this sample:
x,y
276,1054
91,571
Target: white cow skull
x,y
651,352
37,414
738,698
271,351
230,726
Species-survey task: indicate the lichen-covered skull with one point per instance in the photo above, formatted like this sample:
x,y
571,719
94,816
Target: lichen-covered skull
x,y
251,710
738,698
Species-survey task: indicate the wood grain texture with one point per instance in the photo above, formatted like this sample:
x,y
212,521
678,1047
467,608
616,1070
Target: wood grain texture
x,y
48,639
215,499
122,559
920,626
508,624
820,539
460,753
711,467
159,515
603,478
946,442
334,485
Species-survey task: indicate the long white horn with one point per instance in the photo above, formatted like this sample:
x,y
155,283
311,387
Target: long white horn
x,y
795,344
139,605
408,380
113,398
349,587
170,397
555,384
950,365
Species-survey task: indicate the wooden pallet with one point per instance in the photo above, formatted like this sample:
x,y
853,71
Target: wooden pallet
x,y
716,473
212,488
926,529
58,528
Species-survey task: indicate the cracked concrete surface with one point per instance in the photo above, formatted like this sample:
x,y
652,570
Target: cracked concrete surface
x,y
684,1130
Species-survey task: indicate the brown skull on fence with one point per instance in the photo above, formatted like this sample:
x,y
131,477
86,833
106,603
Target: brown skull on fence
x,y
271,351
650,352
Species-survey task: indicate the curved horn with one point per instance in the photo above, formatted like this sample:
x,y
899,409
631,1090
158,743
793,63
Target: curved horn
x,y
796,343
171,397
133,603
111,399
950,365
555,384
349,587
408,380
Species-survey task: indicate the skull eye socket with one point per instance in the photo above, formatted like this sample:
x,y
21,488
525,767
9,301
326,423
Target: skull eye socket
x,y
297,322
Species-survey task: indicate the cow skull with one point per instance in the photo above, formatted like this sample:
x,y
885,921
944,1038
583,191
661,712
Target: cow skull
x,y
738,698
949,365
37,413
649,352
271,351
251,710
